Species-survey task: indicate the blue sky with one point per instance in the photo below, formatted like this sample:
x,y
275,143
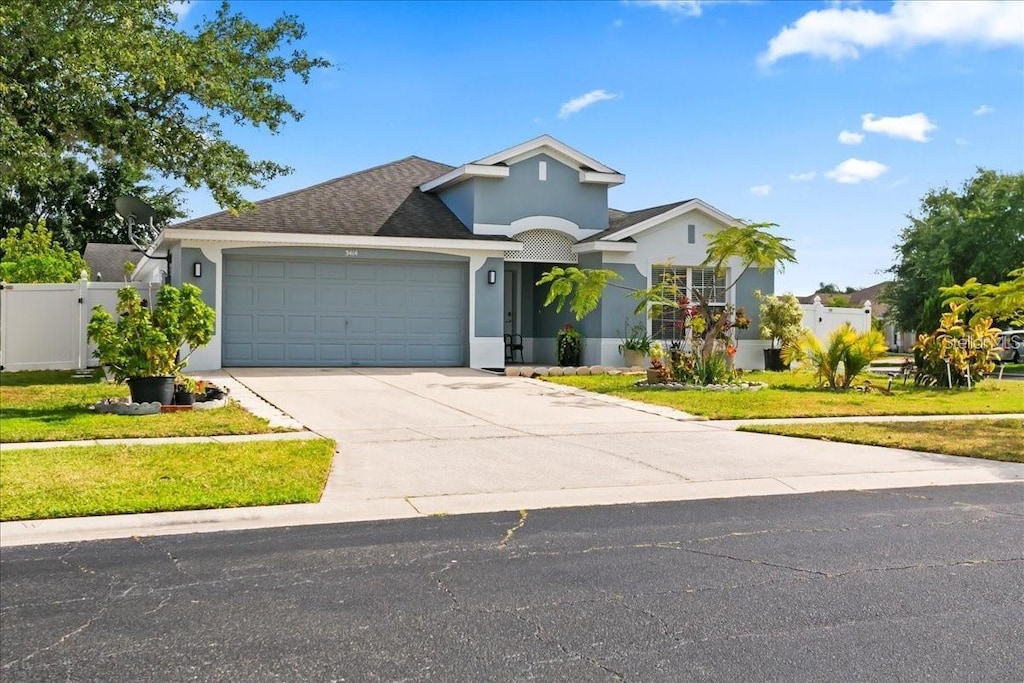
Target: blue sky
x,y
830,119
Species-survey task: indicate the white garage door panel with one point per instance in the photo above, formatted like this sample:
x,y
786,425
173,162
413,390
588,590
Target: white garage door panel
x,y
309,312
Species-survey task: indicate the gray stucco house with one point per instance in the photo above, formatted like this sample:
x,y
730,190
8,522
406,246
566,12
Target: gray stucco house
x,y
417,263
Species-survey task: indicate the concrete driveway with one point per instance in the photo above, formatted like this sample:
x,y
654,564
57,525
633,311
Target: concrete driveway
x,y
461,440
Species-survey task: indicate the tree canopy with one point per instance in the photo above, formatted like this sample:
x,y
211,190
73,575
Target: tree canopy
x,y
977,232
77,202
30,255
106,80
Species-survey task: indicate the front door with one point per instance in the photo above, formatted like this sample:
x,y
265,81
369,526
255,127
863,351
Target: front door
x,y
511,312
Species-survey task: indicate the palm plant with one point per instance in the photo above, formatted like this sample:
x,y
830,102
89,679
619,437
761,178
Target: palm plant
x,y
847,354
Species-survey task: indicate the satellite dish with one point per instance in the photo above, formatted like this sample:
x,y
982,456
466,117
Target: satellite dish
x,y
133,212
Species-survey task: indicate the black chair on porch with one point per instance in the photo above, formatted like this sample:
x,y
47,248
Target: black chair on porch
x,y
513,343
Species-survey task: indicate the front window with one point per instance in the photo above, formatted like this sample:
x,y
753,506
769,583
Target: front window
x,y
671,324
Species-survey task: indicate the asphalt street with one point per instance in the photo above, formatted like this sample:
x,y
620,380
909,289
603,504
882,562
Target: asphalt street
x,y
909,584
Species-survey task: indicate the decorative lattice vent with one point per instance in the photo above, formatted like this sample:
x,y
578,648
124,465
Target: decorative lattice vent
x,y
543,246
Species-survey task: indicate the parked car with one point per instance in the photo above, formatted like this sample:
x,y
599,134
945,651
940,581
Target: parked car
x,y
1011,346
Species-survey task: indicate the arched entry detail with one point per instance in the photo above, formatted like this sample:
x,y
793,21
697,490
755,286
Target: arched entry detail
x,y
543,246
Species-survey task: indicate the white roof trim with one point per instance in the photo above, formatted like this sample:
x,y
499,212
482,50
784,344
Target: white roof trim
x,y
603,245
463,172
358,241
602,178
525,148
692,205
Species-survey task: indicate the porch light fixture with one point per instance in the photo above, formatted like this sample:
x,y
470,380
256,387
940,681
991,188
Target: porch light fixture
x,y
492,277
197,269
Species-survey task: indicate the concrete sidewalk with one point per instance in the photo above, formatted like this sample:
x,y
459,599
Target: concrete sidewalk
x,y
414,443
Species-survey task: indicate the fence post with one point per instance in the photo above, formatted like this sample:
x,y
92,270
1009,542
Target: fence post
x,y
83,342
817,320
867,315
3,322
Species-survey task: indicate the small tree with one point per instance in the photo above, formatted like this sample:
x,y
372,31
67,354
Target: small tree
x,y
780,318
144,343
30,255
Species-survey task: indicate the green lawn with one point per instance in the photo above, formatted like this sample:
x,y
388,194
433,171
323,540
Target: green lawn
x,y
795,395
990,439
1011,368
52,406
77,481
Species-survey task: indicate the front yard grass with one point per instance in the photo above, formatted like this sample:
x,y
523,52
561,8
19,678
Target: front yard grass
x,y
796,395
990,439
77,481
52,405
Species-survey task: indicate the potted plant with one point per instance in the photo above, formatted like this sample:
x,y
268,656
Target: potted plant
x,y
570,346
635,344
142,347
185,389
781,320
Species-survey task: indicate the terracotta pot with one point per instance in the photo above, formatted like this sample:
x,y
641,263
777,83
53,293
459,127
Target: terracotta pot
x,y
654,376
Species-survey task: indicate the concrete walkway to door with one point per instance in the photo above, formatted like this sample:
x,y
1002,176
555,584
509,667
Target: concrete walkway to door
x,y
459,440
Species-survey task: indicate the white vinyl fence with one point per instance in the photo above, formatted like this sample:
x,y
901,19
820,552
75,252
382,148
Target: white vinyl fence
x,y
824,320
42,327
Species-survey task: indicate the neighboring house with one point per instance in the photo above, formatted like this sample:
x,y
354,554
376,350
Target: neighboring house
x,y
417,263
900,341
107,261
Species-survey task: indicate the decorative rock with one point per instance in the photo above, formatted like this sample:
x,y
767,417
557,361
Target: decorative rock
x,y
121,407
526,372
636,368
614,371
210,405
582,370
540,372
596,370
555,371
568,372
511,372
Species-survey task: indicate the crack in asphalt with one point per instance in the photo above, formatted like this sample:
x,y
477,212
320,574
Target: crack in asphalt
x,y
511,532
435,575
539,634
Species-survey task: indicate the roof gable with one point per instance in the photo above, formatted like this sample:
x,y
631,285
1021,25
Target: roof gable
x,y
624,225
496,165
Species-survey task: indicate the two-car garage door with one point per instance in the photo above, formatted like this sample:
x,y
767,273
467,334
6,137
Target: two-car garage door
x,y
351,312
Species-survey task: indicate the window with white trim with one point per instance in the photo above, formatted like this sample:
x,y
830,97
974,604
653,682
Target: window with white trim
x,y
670,323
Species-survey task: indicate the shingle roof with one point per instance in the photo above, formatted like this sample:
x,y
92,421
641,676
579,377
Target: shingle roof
x,y
383,201
618,220
106,261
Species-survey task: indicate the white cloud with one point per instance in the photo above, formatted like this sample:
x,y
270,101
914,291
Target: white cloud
x,y
843,33
617,23
761,190
910,127
962,142
803,177
180,8
682,8
853,171
583,101
983,110
850,138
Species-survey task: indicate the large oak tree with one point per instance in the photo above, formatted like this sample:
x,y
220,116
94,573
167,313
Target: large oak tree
x,y
119,81
977,232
